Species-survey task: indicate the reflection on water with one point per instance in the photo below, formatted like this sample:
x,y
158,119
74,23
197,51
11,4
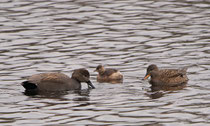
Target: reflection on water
x,y
62,35
84,94
157,92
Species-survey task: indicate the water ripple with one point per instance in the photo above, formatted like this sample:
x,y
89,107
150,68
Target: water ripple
x,y
63,35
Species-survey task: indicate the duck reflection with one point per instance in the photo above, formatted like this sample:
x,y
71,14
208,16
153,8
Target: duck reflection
x,y
83,94
158,91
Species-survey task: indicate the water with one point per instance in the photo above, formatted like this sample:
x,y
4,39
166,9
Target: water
x,y
62,35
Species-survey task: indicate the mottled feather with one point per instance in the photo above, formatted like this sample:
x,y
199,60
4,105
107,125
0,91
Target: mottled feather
x,y
108,75
166,77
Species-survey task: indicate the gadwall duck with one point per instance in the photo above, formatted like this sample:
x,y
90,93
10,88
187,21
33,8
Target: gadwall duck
x,y
166,77
108,75
58,81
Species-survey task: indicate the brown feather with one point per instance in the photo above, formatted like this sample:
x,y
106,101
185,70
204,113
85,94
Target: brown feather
x,y
167,77
108,75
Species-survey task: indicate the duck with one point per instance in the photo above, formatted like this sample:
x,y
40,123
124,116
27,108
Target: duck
x,y
55,81
166,77
108,74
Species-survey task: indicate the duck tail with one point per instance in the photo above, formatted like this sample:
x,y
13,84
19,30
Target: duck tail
x,y
28,85
184,70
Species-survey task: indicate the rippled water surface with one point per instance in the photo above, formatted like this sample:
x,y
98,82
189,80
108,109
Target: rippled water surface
x,y
62,35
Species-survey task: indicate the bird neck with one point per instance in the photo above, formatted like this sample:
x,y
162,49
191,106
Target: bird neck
x,y
74,78
102,71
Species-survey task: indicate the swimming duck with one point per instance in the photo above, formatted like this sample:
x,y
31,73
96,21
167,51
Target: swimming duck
x,y
108,75
58,81
166,77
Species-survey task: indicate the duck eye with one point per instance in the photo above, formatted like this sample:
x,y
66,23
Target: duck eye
x,y
86,76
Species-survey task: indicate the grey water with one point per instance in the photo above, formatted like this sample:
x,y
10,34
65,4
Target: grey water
x,y
62,35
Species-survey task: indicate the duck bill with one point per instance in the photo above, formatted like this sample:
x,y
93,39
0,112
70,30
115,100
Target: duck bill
x,y
90,85
147,75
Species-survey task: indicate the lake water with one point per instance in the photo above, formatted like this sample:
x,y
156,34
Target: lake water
x,y
62,35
